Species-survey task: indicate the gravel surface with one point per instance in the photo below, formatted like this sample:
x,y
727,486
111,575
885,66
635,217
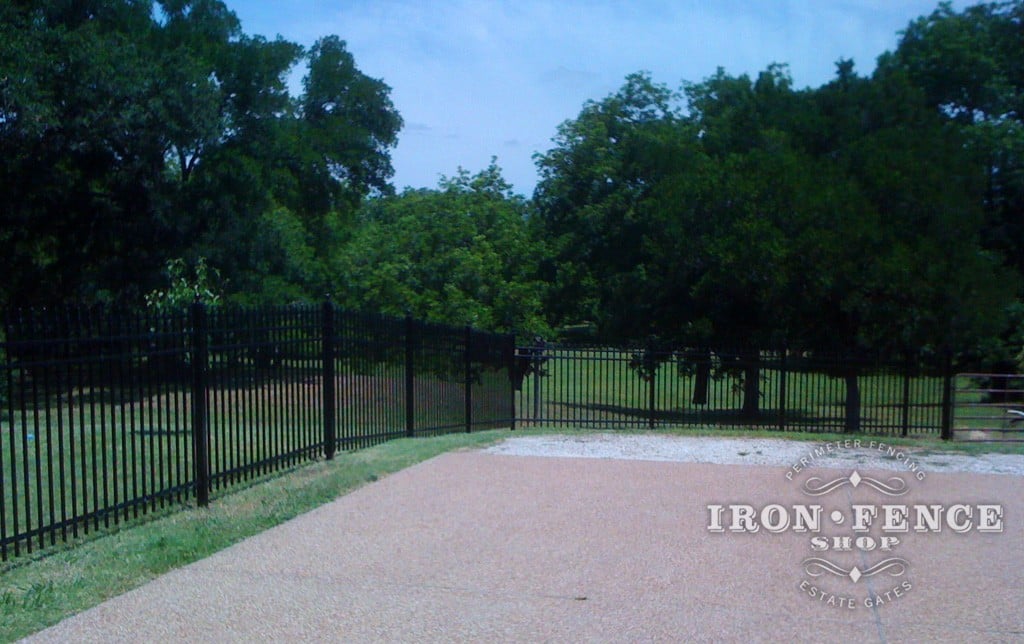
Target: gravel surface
x,y
864,452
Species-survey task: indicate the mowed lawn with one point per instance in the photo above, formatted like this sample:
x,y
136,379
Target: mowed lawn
x,y
597,387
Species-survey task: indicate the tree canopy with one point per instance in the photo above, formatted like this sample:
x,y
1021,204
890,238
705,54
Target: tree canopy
x,y
460,254
143,139
134,132
845,217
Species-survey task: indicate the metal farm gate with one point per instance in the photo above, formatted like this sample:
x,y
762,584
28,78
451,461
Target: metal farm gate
x,y
989,407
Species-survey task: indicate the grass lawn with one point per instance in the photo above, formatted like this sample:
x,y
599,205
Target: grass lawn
x,y
38,591
85,460
596,388
592,387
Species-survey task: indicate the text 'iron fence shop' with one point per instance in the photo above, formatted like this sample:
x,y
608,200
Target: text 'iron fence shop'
x,y
107,415
780,389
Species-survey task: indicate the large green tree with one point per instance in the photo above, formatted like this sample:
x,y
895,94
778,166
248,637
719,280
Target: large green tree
x,y
133,132
592,184
459,254
969,65
80,154
842,219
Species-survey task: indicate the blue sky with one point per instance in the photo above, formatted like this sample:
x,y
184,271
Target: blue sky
x,y
475,79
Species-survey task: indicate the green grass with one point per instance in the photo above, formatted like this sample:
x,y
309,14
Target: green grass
x,y
70,459
39,591
36,592
597,385
92,449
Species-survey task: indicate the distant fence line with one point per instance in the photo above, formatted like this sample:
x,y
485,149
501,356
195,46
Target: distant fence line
x,y
783,389
107,415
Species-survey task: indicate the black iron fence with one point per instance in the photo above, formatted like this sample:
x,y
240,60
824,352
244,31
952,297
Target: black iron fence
x,y
777,389
108,415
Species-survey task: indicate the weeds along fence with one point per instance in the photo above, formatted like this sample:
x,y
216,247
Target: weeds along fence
x,y
775,389
109,415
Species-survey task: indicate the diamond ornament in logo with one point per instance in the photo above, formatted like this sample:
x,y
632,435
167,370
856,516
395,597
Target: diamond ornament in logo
x,y
814,486
816,566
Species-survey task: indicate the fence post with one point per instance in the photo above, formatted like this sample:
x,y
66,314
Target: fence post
x,y
330,430
468,363
536,361
200,412
905,408
6,397
511,366
947,397
652,363
410,401
782,389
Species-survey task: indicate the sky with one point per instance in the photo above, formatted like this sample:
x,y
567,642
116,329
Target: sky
x,y
475,79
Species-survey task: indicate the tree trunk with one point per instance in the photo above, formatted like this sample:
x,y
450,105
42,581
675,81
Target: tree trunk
x,y
702,379
852,403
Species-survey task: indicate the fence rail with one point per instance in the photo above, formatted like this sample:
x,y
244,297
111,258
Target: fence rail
x,y
108,415
778,389
989,407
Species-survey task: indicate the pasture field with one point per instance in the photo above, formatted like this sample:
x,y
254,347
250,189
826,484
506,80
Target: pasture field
x,y
595,388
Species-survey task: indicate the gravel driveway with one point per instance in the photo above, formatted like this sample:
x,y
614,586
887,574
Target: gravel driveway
x,y
527,541
860,453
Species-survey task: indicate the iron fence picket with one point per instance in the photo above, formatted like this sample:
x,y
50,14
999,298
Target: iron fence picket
x,y
107,415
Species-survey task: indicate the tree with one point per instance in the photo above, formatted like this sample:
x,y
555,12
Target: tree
x,y
80,155
351,121
841,219
460,254
132,133
591,186
970,68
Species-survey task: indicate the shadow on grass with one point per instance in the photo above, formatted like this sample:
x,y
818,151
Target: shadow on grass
x,y
764,418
